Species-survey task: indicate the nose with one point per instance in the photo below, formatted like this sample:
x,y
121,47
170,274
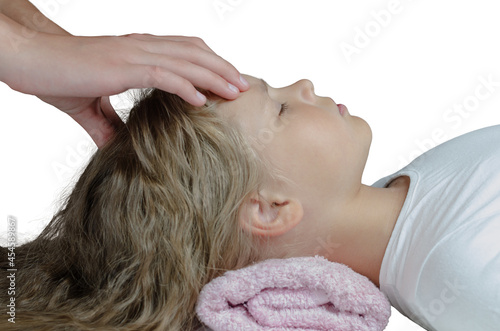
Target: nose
x,y
306,89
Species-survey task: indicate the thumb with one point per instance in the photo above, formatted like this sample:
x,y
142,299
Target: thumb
x,y
109,112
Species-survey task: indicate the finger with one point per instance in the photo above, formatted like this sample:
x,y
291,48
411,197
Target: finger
x,y
109,112
214,63
172,83
195,75
194,50
199,76
96,125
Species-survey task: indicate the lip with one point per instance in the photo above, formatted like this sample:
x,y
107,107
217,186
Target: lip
x,y
342,109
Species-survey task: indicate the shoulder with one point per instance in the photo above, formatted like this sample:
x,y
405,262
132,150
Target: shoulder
x,y
469,147
443,259
458,286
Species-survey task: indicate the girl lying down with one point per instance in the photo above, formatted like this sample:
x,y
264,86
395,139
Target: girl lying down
x,y
182,193
191,187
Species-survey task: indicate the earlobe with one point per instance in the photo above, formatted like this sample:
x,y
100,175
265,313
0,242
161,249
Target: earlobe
x,y
270,216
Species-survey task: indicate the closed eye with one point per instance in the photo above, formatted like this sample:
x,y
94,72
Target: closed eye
x,y
284,107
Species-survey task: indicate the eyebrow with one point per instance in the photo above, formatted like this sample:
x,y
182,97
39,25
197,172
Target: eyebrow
x,y
264,87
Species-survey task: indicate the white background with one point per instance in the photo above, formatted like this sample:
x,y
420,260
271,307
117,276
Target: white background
x,y
414,62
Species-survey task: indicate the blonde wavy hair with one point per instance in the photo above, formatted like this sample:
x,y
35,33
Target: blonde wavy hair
x,y
151,220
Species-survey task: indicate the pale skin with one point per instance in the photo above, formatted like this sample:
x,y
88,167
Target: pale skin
x,y
78,74
323,154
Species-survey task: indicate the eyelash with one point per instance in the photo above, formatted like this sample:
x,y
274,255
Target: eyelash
x,y
284,107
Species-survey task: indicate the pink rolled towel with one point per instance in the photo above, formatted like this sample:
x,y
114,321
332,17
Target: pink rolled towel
x,y
303,293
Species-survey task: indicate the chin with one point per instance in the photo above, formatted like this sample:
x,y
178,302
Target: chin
x,y
364,130
365,136
369,133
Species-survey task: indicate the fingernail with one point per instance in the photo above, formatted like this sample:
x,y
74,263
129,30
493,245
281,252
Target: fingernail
x,y
201,97
244,81
233,88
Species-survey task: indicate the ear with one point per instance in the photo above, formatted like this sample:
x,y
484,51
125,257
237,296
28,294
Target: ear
x,y
269,215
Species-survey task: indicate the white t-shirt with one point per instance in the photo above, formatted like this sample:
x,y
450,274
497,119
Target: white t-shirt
x,y
441,267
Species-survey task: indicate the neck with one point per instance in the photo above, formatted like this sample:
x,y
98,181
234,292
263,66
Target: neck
x,y
370,222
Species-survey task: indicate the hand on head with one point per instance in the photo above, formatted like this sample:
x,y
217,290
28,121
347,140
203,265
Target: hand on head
x,y
103,66
77,74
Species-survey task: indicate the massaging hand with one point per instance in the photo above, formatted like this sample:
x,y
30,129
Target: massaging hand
x,y
73,73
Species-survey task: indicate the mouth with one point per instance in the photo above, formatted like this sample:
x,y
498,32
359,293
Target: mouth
x,y
342,109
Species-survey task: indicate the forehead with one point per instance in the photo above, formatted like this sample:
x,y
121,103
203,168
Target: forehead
x,y
251,109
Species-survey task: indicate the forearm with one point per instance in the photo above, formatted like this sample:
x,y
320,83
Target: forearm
x,y
20,23
26,14
10,38
18,46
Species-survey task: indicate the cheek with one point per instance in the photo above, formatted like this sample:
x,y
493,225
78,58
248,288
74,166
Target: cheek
x,y
310,150
324,141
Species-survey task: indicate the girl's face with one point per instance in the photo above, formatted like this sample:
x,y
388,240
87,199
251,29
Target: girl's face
x,y
316,145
